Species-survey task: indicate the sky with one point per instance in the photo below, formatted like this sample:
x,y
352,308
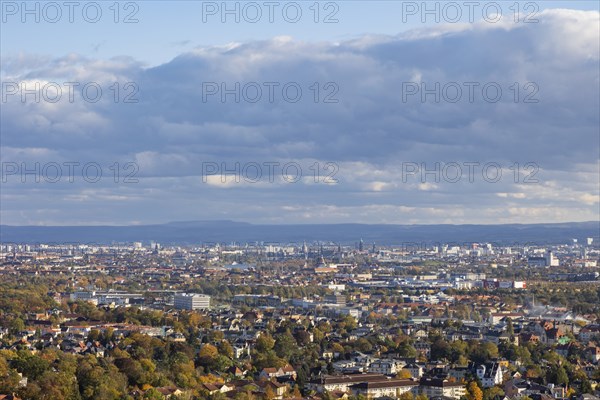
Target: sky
x,y
117,113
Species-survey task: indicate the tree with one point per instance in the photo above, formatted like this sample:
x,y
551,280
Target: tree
x,y
265,342
406,350
285,345
153,394
9,378
58,385
94,335
296,392
337,348
269,393
458,349
404,374
217,396
586,386
407,396
509,327
483,352
349,323
302,337
493,393
558,376
318,335
17,325
32,366
474,392
225,348
132,369
207,355
440,349
596,374
364,345
533,371
98,382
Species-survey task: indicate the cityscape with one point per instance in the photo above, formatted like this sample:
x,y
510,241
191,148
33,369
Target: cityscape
x,y
300,200
313,320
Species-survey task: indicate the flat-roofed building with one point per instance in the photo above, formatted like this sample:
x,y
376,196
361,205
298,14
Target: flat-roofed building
x,y
191,301
434,387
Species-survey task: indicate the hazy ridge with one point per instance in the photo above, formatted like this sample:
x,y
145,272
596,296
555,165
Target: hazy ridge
x,y
191,232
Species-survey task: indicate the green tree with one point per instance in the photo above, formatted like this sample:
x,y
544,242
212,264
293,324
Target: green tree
x,y
558,376
493,393
509,327
9,378
285,345
132,369
265,342
17,325
32,366
225,348
364,345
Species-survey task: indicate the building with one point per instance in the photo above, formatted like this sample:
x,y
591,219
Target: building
x,y
548,260
551,261
342,383
416,370
392,388
270,373
83,295
490,374
434,387
386,367
191,301
336,299
423,347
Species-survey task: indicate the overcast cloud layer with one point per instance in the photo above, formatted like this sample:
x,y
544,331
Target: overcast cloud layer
x,y
373,133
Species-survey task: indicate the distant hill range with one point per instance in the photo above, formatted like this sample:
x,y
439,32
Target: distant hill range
x,y
196,232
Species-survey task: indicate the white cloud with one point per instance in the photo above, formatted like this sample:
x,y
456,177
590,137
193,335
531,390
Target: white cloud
x,y
368,133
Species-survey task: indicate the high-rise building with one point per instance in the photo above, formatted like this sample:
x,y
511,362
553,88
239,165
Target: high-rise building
x,y
551,261
191,301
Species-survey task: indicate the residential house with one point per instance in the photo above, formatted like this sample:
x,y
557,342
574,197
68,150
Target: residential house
x,y
386,367
416,370
270,373
490,374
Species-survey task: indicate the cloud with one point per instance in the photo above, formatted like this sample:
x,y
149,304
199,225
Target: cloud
x,y
241,103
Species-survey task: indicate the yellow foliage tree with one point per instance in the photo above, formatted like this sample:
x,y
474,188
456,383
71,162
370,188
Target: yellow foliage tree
x,y
474,392
404,374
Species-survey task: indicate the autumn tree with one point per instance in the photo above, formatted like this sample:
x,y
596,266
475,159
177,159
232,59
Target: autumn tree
x,y
208,353
404,374
225,348
407,396
474,392
9,378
